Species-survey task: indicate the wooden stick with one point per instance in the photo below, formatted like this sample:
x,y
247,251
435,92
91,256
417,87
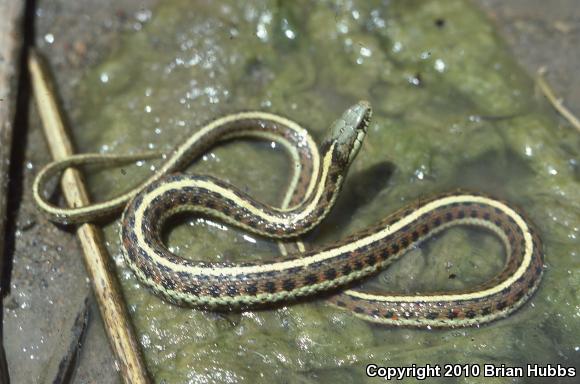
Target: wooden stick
x,y
10,46
556,102
97,261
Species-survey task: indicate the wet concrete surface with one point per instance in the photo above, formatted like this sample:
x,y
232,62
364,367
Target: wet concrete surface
x,y
543,33
48,283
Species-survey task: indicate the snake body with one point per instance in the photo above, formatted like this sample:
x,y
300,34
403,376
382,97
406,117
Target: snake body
x,y
314,187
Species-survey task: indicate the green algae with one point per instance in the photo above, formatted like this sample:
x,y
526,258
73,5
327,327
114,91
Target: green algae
x,y
451,109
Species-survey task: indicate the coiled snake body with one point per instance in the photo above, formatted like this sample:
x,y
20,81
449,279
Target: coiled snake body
x,y
314,187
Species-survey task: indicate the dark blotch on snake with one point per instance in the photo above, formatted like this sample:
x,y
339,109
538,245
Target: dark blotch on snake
x,y
288,285
346,270
451,314
432,315
251,289
215,291
330,273
191,289
311,279
232,290
270,286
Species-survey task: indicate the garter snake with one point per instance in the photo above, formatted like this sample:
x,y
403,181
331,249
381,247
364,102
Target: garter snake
x,y
315,184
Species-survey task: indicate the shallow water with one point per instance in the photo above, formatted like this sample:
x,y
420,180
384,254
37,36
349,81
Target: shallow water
x,y
451,109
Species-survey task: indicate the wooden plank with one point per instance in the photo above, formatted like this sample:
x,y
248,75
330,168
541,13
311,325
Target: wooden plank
x,y
10,48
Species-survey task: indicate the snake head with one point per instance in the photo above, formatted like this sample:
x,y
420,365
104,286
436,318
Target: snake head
x,y
347,133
